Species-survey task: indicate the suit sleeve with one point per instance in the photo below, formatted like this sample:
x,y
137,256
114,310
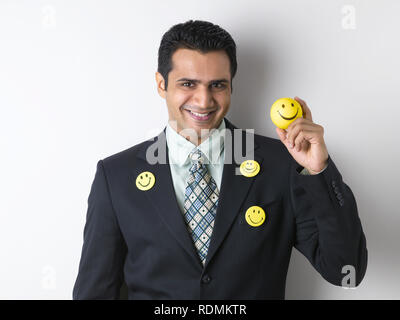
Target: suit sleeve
x,y
100,272
328,229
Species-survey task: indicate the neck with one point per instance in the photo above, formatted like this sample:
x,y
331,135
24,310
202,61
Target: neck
x,y
196,140
190,134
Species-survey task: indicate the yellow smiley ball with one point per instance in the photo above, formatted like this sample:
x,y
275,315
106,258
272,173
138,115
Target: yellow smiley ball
x,y
255,216
145,180
249,168
284,111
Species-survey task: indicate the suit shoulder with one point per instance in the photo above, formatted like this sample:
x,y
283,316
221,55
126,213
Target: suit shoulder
x,y
275,151
127,156
270,143
266,139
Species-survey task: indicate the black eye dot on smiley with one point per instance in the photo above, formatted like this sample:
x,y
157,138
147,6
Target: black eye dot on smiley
x,y
292,105
146,174
141,177
283,106
254,210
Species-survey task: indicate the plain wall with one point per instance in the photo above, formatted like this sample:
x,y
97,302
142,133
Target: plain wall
x,y
77,84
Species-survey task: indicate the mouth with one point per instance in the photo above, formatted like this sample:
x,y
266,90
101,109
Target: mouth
x,y
291,117
203,117
144,185
255,222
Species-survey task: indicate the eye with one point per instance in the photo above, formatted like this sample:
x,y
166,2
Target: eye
x,y
292,105
283,106
185,83
218,85
146,175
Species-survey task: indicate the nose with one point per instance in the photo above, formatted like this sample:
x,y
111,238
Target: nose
x,y
203,98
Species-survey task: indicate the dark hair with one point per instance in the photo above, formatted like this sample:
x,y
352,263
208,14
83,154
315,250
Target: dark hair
x,y
196,35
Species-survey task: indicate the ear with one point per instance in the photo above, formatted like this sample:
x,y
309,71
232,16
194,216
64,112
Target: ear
x,y
160,84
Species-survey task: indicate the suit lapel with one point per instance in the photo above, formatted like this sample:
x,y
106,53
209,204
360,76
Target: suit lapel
x,y
234,190
163,197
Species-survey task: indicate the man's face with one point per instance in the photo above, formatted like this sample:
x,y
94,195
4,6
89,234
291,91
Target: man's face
x,y
199,89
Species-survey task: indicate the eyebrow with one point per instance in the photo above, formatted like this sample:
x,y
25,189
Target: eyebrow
x,y
198,81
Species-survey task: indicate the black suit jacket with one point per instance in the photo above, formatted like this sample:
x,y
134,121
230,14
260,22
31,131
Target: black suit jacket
x,y
140,237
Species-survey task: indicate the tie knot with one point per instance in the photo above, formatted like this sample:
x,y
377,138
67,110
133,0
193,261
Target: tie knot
x,y
196,156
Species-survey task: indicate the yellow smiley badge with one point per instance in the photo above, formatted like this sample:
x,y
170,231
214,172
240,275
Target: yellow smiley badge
x,y
255,216
145,181
249,168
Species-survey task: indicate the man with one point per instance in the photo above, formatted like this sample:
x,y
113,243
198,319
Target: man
x,y
192,225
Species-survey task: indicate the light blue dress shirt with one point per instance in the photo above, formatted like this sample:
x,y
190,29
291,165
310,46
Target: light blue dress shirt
x,y
180,163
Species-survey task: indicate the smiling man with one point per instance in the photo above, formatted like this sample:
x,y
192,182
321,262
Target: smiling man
x,y
205,223
199,91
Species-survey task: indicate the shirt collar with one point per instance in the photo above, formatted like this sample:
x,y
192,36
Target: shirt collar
x,y
179,148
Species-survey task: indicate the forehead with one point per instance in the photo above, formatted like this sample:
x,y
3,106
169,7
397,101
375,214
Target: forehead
x,y
203,66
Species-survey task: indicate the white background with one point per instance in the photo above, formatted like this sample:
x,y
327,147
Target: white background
x,y
77,84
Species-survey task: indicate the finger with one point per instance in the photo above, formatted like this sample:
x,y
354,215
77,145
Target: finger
x,y
282,135
302,140
305,145
299,141
306,110
298,121
311,136
292,134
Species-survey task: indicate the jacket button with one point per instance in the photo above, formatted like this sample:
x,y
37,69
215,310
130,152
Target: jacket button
x,y
206,279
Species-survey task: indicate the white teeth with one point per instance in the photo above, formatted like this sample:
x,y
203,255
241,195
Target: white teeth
x,y
200,114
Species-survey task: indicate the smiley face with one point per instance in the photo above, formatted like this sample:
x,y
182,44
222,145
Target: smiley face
x,y
284,111
145,181
255,216
249,168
